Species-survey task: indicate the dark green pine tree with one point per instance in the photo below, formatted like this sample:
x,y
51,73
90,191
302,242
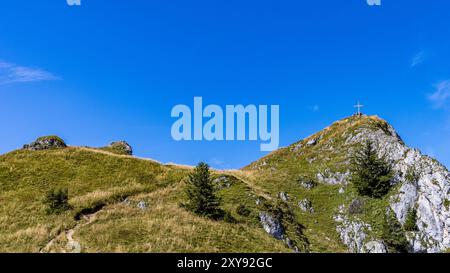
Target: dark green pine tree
x,y
371,174
201,198
411,220
393,235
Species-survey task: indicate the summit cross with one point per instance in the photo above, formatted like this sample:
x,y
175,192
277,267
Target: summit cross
x,y
359,106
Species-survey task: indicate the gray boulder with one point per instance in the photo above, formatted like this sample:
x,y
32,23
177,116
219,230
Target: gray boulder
x,y
375,247
333,178
222,182
307,183
271,225
121,147
45,143
284,196
142,205
306,206
311,142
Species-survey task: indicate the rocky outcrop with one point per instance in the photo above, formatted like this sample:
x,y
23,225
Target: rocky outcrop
x,y
120,147
306,206
223,182
307,183
284,196
142,205
354,234
333,178
45,143
271,225
420,183
424,184
279,229
375,247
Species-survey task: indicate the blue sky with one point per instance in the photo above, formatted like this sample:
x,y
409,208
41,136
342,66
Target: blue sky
x,y
112,70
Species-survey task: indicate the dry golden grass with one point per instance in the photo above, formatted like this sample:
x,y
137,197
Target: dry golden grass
x,y
165,227
99,179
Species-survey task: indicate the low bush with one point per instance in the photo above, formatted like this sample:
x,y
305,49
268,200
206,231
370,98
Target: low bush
x,y
57,201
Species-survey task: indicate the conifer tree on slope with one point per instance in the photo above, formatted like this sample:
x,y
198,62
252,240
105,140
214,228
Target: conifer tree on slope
x,y
371,174
201,198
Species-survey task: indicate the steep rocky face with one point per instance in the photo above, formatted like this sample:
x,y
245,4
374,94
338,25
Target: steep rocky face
x,y
424,185
420,183
44,143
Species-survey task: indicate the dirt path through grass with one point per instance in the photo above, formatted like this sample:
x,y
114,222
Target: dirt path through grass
x,y
72,245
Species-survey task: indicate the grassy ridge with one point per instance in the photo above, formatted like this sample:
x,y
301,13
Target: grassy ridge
x,y
98,180
91,177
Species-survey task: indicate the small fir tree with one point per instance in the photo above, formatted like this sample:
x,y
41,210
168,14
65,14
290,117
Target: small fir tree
x,y
371,174
201,198
393,234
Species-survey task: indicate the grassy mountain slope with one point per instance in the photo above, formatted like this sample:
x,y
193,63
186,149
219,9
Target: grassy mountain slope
x,y
106,190
99,182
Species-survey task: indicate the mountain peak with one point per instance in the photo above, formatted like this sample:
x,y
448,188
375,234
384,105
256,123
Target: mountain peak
x,y
333,143
420,183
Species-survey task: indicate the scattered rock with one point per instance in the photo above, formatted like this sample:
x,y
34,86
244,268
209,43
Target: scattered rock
x,y
142,204
306,206
284,196
311,142
328,177
341,190
222,182
297,147
307,183
45,143
271,225
290,244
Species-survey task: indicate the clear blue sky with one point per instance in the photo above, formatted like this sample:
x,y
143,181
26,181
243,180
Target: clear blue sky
x,y
111,70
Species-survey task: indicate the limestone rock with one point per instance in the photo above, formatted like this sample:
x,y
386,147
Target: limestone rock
x,y
45,143
428,193
271,225
284,196
121,147
307,183
306,206
375,247
222,182
354,234
142,205
333,178
311,142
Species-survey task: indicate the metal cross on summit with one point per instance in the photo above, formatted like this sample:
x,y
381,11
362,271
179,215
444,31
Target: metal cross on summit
x,y
359,106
